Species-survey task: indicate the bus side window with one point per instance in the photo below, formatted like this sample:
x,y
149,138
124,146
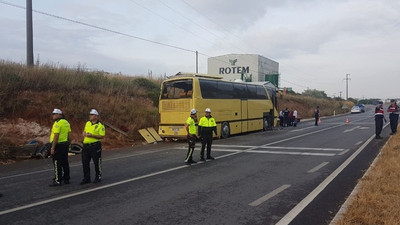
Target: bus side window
x,y
182,95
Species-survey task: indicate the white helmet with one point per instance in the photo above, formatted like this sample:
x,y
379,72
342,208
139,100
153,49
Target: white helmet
x,y
208,110
57,111
93,112
193,111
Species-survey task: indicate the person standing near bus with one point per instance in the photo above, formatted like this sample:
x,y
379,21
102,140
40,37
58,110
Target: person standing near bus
x,y
295,118
93,132
379,117
190,126
207,126
59,139
316,115
393,115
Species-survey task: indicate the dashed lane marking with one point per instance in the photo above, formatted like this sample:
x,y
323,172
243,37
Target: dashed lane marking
x,y
359,143
315,169
269,195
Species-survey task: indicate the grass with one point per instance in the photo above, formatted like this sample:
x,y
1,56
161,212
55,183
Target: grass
x,y
129,103
305,105
378,200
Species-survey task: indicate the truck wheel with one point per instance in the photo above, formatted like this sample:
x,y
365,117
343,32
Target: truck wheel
x,y
225,131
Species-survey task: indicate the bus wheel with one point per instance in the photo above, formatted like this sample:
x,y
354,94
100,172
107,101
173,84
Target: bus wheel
x,y
265,123
225,131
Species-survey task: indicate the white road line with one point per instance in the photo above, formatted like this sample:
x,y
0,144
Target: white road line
x,y
282,147
310,197
79,164
251,147
313,170
292,153
166,171
301,129
269,195
303,148
235,146
91,190
359,143
101,187
273,152
223,156
352,129
344,152
303,135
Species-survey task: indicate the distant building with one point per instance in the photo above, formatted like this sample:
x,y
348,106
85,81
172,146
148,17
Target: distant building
x,y
247,67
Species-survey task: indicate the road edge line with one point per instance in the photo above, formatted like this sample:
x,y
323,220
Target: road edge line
x,y
310,197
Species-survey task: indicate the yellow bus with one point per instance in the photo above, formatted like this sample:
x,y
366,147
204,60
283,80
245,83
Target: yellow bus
x,y
237,107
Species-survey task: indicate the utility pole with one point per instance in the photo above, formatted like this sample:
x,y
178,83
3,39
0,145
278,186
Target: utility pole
x,y
197,62
29,34
347,85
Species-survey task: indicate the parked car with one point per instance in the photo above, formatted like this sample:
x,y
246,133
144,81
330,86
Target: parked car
x,y
362,107
356,109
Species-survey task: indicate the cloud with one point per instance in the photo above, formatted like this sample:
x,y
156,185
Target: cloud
x,y
231,14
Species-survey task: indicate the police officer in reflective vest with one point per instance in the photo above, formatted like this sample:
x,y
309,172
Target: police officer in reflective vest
x,y
59,139
379,117
93,132
207,126
190,126
393,115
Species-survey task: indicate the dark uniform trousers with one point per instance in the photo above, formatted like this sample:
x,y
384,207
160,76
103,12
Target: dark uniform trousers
x,y
206,139
60,162
394,120
91,151
378,124
191,143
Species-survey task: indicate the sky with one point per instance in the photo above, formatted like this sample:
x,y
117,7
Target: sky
x,y
316,42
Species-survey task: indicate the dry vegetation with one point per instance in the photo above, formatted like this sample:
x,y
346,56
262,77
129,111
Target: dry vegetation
x,y
30,94
305,105
378,199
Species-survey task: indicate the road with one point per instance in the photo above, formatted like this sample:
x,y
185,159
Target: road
x,y
295,175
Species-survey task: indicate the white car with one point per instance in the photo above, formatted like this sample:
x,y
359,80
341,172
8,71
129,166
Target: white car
x,y
356,109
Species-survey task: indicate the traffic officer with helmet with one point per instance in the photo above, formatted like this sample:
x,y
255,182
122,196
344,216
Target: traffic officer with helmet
x,y
93,132
207,126
393,115
59,139
379,117
190,126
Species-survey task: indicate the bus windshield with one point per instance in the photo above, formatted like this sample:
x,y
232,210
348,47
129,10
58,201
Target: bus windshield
x,y
177,89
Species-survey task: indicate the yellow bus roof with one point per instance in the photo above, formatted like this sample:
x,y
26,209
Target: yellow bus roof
x,y
184,74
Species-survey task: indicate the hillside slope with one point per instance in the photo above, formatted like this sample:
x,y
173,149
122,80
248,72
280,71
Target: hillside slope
x,y
28,96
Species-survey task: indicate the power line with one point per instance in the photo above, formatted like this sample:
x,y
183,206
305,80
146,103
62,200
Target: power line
x,y
192,21
162,17
100,28
131,36
218,25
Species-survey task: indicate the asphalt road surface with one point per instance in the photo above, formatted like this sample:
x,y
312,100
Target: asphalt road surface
x,y
295,175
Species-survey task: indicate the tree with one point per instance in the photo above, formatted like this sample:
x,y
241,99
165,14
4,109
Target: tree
x,y
314,93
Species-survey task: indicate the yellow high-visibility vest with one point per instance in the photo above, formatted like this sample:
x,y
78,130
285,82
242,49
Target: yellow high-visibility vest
x,y
61,127
94,129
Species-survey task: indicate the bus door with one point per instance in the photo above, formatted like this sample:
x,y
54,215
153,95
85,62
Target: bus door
x,y
244,114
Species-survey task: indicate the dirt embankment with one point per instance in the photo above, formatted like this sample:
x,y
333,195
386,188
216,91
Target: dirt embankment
x,y
29,95
305,106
